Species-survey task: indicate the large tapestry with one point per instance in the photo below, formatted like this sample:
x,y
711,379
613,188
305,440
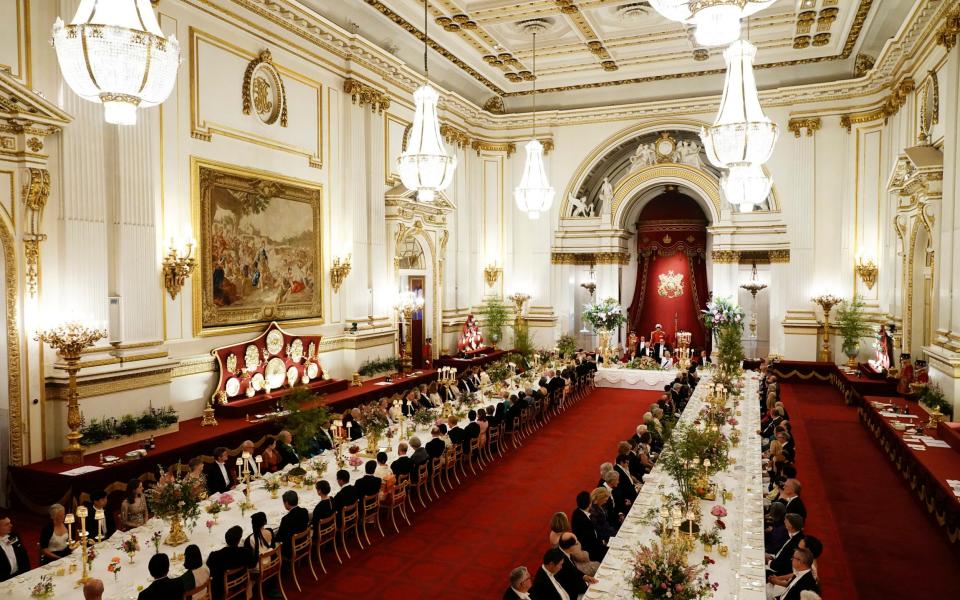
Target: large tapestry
x,y
260,249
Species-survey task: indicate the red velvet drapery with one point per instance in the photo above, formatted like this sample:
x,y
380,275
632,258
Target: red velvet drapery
x,y
672,273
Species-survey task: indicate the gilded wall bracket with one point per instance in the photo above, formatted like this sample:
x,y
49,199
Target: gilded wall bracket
x,y
36,192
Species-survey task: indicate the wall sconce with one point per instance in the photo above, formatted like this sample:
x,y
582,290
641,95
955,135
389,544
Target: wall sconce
x,y
867,270
339,272
178,264
491,273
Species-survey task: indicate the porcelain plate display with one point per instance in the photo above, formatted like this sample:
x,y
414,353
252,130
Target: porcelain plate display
x,y
296,350
276,373
274,341
313,370
232,387
251,358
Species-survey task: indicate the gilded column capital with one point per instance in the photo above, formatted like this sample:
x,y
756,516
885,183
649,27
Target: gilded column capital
x,y
489,146
779,256
453,135
725,256
366,94
798,124
590,258
948,31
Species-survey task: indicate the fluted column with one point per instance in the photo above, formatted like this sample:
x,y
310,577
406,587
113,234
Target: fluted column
x,y
947,268
355,210
376,211
802,218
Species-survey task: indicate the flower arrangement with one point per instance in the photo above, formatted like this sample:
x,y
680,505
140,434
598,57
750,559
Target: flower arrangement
x,y
373,419
309,480
710,537
661,571
155,540
319,466
423,418
101,430
214,508
719,512
225,500
643,362
722,312
114,567
210,523
91,555
130,546
606,315
44,587
177,498
271,484
355,461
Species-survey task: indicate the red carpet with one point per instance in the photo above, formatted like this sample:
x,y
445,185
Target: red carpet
x,y
878,541
465,544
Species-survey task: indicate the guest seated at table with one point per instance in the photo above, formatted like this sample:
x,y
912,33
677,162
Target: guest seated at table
x,y
602,515
445,436
93,589
635,469
455,432
325,507
403,465
433,394
801,579
369,484
162,588
220,477
288,454
436,446
604,469
559,524
297,520
520,584
270,457
775,531
196,573
467,385
573,581
621,503
628,487
786,441
133,509
419,456
410,402
471,431
790,496
98,501
258,543
583,528
13,556
484,425
54,537
577,555
779,562
347,494
546,586
231,556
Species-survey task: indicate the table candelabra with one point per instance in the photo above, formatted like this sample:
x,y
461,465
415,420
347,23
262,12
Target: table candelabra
x,y
337,438
81,521
447,376
246,473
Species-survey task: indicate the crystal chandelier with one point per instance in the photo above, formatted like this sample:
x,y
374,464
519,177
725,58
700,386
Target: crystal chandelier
x,y
534,195
113,52
717,21
746,186
425,166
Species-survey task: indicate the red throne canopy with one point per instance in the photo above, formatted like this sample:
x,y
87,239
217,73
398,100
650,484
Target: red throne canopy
x,y
672,273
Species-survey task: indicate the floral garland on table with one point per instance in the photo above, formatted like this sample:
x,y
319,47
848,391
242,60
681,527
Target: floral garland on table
x,y
643,362
177,497
606,315
660,571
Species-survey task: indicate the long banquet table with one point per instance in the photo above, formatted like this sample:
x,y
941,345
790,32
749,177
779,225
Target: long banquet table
x,y
740,573
635,379
131,576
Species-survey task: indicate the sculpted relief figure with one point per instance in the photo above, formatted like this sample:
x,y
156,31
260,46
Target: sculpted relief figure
x,y
644,156
688,153
605,198
579,206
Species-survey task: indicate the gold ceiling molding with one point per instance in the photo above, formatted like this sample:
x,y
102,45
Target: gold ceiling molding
x,y
361,93
799,124
454,135
494,105
590,258
948,31
725,256
760,257
890,107
863,64
488,146
36,191
14,375
826,18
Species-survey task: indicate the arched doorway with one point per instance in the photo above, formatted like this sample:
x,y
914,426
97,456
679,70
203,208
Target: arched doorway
x,y
671,277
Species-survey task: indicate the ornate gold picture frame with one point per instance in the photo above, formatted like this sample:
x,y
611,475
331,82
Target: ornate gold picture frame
x,y
261,251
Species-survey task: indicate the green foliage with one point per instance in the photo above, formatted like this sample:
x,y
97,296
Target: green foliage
x,y
606,315
494,317
852,324
424,418
304,422
499,371
522,342
933,397
101,430
567,345
689,445
730,348
375,366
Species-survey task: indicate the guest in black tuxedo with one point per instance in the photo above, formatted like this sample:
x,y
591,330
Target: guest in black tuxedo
x,y
418,457
620,504
546,586
454,431
520,584
13,556
98,501
780,562
582,527
297,520
435,447
324,507
219,476
573,580
403,465
775,532
356,431
790,496
231,556
467,385
162,588
347,495
803,578
472,430
288,454
369,484
627,486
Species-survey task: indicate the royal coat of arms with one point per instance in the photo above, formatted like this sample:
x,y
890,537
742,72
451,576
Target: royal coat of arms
x,y
671,285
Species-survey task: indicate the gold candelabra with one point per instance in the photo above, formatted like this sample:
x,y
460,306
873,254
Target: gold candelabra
x,y
339,271
407,304
491,273
178,264
83,534
518,299
867,270
826,303
69,339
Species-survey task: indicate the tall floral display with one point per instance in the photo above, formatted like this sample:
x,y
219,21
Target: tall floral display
x,y
725,319
177,499
605,317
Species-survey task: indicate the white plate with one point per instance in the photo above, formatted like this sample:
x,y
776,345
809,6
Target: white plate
x,y
257,382
274,341
313,370
251,358
232,387
276,373
296,350
292,375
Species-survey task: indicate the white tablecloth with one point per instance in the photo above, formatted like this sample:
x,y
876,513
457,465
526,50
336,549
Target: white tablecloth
x,y
740,573
637,379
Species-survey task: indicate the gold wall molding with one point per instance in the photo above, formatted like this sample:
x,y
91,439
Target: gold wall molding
x,y
779,256
260,78
489,146
57,391
800,124
454,135
862,64
890,107
948,31
697,179
363,94
36,192
14,374
590,258
725,256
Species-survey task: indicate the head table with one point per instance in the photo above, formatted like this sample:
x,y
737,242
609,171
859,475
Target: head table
x,y
127,584
740,574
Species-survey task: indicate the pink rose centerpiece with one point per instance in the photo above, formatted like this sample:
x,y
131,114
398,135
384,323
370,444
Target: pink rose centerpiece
x,y
719,512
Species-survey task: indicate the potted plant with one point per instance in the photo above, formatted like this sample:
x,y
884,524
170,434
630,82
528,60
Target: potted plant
x,y
852,325
932,397
495,317
304,422
566,345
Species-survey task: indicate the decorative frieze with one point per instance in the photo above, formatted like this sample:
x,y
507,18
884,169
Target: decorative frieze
x,y
488,146
948,31
725,256
361,93
36,192
890,107
590,258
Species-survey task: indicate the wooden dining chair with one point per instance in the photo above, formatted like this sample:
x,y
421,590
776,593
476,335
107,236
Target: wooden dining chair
x,y
436,475
473,455
371,514
422,485
201,592
235,582
271,565
326,535
404,480
350,521
398,502
301,549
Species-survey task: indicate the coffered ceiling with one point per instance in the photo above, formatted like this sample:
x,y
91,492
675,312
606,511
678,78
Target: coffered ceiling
x,y
598,52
